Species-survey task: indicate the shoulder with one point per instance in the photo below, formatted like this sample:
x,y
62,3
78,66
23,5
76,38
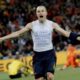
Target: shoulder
x,y
34,22
53,23
28,26
49,21
31,24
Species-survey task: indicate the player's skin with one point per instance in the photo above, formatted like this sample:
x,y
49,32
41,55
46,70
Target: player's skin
x,y
41,13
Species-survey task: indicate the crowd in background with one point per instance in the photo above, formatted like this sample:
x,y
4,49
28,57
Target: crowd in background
x,y
15,14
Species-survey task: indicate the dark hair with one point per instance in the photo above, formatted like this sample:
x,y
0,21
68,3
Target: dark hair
x,y
42,4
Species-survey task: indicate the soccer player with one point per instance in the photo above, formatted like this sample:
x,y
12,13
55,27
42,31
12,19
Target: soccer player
x,y
71,58
16,68
44,54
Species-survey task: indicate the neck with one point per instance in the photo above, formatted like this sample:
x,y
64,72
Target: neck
x,y
42,21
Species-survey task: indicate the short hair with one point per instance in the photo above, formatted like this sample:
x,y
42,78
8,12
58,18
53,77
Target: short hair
x,y
42,4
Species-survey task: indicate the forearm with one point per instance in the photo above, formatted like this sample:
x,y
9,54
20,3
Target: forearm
x,y
12,35
65,33
62,31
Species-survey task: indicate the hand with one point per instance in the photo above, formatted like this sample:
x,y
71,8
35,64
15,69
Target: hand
x,y
78,38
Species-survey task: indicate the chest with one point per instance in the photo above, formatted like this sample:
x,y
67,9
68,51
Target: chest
x,y
42,28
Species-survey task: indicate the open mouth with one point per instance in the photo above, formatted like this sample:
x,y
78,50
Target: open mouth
x,y
41,16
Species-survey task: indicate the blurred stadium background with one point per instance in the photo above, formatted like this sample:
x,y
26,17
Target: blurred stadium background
x,y
15,14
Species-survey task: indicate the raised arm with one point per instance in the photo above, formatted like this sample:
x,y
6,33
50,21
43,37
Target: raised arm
x,y
17,33
61,30
73,36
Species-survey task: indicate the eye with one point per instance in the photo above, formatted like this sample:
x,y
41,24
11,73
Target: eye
x,y
38,11
42,10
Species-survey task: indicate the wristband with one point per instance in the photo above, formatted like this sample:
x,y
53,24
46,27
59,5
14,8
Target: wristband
x,y
73,38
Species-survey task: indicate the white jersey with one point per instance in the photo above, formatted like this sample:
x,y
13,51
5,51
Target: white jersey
x,y
42,35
